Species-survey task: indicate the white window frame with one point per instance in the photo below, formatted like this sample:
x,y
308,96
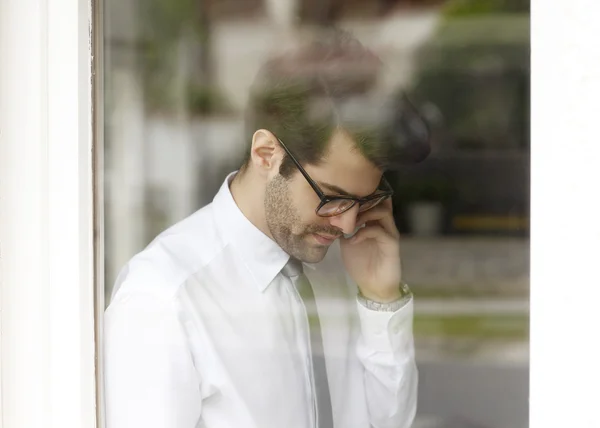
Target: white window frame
x,y
48,299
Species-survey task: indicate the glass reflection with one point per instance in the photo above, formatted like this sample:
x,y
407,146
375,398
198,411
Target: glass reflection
x,y
179,78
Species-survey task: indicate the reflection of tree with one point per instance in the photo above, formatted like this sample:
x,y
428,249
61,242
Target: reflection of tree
x,y
476,71
177,33
478,7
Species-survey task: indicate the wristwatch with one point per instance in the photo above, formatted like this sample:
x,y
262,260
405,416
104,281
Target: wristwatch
x,y
406,296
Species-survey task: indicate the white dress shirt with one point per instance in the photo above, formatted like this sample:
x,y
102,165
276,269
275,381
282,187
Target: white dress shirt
x,y
203,330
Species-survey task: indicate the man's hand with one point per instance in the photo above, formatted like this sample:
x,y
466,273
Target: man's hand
x,y
372,255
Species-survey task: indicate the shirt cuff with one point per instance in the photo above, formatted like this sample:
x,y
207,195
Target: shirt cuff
x,y
389,332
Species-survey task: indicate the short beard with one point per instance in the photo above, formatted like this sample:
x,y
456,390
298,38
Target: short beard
x,y
285,224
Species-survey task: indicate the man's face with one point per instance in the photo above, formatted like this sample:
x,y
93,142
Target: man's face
x,y
290,204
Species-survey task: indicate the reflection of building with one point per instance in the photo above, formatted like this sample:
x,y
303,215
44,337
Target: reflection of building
x,y
159,167
168,165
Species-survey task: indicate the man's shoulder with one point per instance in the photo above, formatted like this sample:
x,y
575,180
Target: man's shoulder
x,y
173,256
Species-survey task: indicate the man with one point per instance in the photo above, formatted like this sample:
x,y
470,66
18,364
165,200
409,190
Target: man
x,y
259,310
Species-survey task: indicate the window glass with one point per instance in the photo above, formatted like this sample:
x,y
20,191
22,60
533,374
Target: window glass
x,y
179,79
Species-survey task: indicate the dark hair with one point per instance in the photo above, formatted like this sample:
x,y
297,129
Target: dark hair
x,y
304,95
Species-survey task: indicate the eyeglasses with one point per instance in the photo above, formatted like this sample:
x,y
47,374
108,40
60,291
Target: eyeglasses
x,y
333,205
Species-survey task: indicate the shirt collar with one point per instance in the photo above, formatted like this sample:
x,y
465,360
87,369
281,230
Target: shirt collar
x,y
261,255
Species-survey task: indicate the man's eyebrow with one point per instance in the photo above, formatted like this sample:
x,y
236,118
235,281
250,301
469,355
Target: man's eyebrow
x,y
340,191
336,189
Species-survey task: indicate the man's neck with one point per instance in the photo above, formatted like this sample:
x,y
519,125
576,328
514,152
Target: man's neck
x,y
248,194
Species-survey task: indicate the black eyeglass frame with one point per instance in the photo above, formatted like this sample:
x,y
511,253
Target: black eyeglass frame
x,y
325,198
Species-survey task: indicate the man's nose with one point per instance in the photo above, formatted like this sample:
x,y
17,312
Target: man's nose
x,y
346,221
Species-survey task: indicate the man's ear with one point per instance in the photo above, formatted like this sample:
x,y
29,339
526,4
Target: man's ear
x,y
266,154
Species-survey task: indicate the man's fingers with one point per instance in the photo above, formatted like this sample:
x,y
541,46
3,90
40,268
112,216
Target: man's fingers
x,y
371,232
381,214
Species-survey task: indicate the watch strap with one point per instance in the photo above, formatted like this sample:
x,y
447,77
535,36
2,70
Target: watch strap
x,y
406,296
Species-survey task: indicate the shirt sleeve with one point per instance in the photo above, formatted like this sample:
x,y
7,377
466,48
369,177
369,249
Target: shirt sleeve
x,y
149,377
386,350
